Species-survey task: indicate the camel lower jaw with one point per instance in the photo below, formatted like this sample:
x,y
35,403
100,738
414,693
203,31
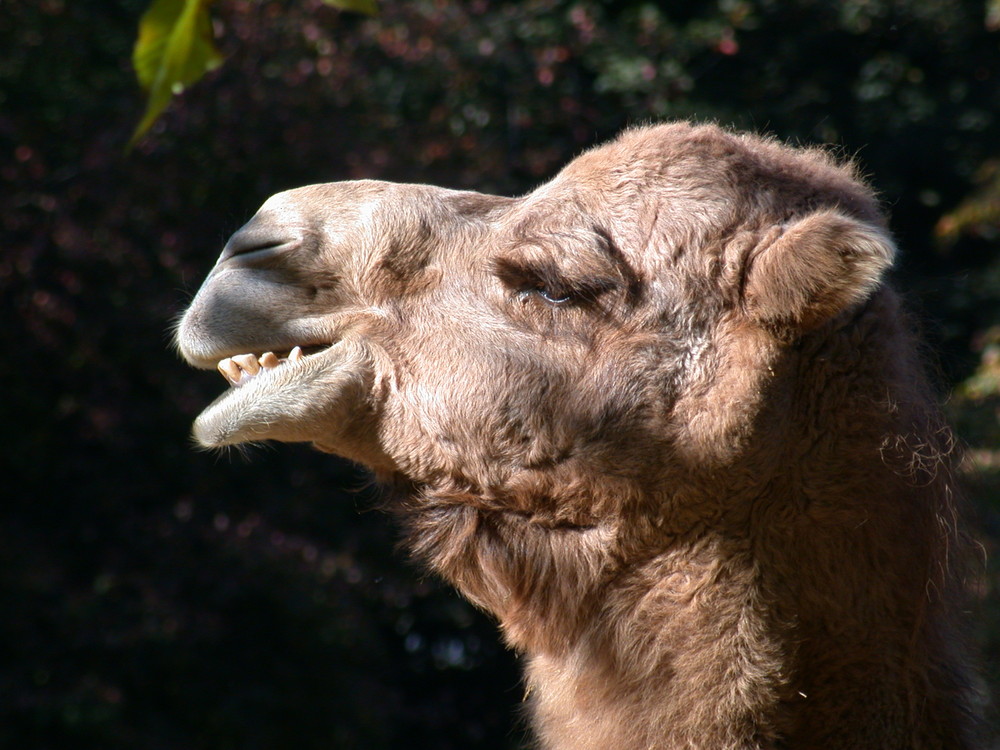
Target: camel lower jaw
x,y
278,402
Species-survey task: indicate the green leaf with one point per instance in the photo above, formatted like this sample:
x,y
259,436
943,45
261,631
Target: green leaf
x,y
368,7
174,49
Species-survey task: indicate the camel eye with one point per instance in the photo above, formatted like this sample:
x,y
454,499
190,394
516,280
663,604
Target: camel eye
x,y
541,281
553,298
550,295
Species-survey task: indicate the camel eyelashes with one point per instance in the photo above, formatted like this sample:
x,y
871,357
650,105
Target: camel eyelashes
x,y
549,297
544,281
525,279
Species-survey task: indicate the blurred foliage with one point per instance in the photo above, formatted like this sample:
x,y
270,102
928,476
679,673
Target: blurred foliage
x,y
175,49
979,214
157,597
975,411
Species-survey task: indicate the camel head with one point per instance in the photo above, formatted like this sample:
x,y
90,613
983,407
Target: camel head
x,y
613,320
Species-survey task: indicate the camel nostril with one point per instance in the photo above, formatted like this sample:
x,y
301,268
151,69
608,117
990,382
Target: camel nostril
x,y
259,239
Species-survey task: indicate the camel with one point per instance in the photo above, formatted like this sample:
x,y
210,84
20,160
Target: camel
x,y
662,417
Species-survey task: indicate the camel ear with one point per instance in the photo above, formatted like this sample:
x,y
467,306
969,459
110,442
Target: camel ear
x,y
821,265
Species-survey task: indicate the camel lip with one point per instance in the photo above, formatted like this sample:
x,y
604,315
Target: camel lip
x,y
308,350
241,369
269,403
258,384
209,359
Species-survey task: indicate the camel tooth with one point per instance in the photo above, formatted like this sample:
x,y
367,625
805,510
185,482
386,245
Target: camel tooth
x,y
269,360
230,371
295,354
248,362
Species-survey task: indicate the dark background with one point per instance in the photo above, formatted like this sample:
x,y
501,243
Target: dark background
x,y
156,597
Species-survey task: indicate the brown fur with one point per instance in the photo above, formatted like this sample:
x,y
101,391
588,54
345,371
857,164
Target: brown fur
x,y
661,417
